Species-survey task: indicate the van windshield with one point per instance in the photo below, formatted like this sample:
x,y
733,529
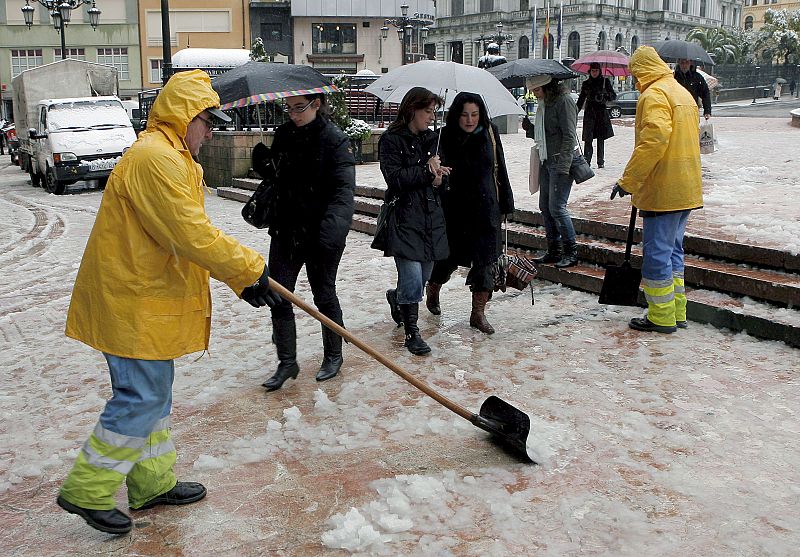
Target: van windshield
x,y
87,114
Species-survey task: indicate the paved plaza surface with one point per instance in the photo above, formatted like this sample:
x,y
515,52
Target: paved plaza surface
x,y
656,445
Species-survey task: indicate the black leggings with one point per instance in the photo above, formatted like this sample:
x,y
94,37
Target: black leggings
x,y
479,279
601,151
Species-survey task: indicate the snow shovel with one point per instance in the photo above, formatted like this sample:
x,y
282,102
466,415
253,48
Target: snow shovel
x,y
505,423
621,282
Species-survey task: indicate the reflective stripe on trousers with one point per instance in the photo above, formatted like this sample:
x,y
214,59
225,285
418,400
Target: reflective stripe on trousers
x,y
131,440
680,297
660,296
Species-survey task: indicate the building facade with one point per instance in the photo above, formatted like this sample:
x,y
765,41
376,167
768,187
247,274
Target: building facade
x,y
271,20
114,42
353,35
207,24
754,10
464,27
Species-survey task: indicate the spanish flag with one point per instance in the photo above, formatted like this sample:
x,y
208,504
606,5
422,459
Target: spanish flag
x,y
546,43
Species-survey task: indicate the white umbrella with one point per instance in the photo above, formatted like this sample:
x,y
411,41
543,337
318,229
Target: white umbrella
x,y
446,79
711,81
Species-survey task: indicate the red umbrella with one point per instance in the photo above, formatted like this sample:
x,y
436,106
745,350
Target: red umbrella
x,y
612,63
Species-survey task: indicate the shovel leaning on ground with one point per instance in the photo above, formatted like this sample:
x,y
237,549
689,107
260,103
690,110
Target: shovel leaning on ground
x,y
621,282
507,424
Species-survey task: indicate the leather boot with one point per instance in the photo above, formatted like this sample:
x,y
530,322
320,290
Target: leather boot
x,y
477,318
570,257
113,521
332,359
432,297
284,335
394,307
552,255
413,341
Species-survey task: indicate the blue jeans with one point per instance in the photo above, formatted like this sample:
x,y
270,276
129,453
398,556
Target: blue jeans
x,y
411,279
141,395
554,190
662,245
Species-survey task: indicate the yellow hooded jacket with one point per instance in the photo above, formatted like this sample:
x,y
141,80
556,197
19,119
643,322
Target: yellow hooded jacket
x,y
142,290
663,173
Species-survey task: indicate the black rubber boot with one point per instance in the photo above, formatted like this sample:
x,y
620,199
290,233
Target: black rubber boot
x,y
552,255
284,335
570,257
113,521
394,307
332,360
413,341
182,494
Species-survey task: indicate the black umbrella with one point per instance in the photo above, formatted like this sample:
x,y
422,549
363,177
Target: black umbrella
x,y
257,82
676,49
513,74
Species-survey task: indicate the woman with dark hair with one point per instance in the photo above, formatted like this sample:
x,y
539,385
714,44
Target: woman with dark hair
x,y
554,133
476,196
315,178
416,228
595,93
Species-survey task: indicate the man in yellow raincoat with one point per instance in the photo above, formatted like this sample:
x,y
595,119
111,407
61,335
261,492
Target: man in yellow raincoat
x,y
142,298
663,176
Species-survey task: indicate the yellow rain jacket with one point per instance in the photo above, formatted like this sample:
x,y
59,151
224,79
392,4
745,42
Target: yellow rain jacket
x,y
142,290
663,173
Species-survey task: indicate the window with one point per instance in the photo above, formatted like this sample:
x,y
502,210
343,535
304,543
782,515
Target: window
x,y
685,7
665,5
523,48
524,5
724,15
457,52
155,71
634,43
748,23
487,6
601,40
333,38
618,41
25,59
703,8
186,21
117,57
574,45
76,53
271,32
456,7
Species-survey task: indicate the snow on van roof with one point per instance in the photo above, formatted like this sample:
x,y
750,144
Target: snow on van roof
x,y
210,58
66,100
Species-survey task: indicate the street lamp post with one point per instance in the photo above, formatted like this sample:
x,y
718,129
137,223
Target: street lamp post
x,y
61,12
501,37
406,25
755,84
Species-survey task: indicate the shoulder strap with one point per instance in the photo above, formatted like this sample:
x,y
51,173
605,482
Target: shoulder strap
x,y
494,166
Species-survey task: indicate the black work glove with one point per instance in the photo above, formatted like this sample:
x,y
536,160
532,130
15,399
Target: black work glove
x,y
259,294
618,191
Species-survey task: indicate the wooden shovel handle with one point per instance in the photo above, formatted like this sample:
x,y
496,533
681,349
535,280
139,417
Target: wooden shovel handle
x,y
347,335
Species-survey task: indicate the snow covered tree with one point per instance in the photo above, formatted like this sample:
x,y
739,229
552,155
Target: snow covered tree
x,y
779,38
258,53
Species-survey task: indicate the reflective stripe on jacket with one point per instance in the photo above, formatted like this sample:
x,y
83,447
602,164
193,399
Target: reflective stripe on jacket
x,y
142,289
663,173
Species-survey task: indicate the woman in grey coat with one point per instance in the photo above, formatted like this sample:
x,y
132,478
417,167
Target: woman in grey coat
x,y
554,132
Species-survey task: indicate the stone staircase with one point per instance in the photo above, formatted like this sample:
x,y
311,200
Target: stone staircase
x,y
734,286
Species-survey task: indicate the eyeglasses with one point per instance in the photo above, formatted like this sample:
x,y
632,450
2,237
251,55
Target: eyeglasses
x,y
206,121
294,110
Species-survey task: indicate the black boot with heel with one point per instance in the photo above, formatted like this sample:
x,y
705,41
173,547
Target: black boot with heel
x,y
284,335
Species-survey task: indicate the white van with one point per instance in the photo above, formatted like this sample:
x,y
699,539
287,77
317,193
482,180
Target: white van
x,y
78,139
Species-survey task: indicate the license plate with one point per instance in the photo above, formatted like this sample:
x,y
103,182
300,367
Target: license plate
x,y
102,164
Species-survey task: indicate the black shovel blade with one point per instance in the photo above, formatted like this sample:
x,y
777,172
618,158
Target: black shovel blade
x,y
621,285
507,424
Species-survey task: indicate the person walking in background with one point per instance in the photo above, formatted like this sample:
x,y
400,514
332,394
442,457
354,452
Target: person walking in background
x,y
792,87
476,196
315,181
663,177
776,90
142,298
596,91
554,131
416,229
687,75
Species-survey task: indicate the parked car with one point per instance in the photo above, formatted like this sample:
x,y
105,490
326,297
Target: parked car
x,y
625,104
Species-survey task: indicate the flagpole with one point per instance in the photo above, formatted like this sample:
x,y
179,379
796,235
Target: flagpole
x,y
533,31
560,23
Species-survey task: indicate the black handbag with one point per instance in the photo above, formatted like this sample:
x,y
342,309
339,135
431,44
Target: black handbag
x,y
258,211
580,169
382,226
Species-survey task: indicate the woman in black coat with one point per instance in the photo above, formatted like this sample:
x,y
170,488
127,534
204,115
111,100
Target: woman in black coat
x,y
595,93
416,229
315,179
476,196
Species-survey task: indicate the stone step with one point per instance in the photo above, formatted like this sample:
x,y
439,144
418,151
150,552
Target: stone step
x,y
245,183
